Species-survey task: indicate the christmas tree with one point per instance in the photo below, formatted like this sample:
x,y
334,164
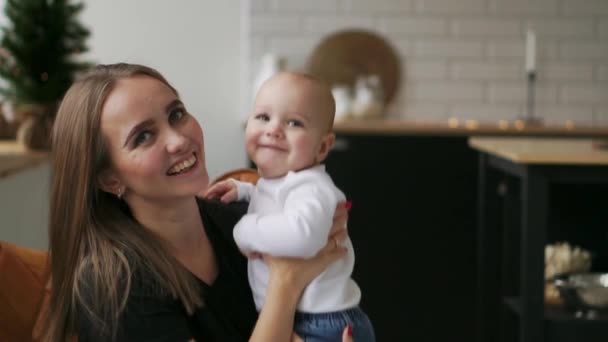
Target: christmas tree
x,y
37,50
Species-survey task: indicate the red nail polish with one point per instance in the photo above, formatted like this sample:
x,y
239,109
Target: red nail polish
x,y
348,205
349,330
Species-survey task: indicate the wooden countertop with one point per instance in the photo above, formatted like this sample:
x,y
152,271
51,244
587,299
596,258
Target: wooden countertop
x,y
454,127
542,150
14,158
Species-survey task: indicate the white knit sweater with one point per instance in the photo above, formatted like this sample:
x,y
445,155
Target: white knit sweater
x,y
292,216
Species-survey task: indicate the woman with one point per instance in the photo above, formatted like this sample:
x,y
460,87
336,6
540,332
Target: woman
x,y
134,254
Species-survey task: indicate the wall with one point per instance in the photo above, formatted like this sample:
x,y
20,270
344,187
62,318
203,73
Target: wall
x,y
461,58
196,45
24,207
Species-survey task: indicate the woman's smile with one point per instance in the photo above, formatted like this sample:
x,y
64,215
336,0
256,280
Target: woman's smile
x,y
184,166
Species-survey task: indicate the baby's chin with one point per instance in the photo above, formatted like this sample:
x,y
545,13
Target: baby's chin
x,y
272,173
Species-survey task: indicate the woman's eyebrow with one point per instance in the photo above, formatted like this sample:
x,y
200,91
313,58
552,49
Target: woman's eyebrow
x,y
136,128
148,122
173,104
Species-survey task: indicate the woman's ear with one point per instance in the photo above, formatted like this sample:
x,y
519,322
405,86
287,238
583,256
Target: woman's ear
x,y
108,182
326,143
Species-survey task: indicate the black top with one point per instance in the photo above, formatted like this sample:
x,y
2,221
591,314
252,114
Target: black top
x,y
228,312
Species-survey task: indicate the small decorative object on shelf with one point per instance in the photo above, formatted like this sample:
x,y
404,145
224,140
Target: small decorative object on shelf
x,y
530,67
561,258
37,48
368,102
600,144
343,98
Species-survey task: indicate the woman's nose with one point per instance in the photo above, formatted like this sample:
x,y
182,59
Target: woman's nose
x,y
176,142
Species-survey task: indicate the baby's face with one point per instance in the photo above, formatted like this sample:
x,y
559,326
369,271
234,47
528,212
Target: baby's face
x,y
287,128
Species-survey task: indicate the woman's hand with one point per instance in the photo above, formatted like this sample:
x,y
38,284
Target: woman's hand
x,y
297,273
289,277
338,229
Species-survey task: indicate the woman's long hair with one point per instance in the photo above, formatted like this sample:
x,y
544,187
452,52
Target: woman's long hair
x,y
95,244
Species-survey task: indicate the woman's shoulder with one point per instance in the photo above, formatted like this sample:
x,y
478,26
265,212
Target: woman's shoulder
x,y
221,215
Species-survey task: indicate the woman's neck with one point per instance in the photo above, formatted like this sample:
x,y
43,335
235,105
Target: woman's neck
x,y
178,221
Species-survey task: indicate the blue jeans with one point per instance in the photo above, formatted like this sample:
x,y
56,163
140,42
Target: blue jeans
x,y
328,327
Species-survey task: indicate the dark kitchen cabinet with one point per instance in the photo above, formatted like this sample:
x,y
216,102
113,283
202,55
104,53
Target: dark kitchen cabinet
x,y
413,227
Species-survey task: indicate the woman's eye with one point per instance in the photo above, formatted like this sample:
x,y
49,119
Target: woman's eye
x,y
295,123
262,117
142,138
176,115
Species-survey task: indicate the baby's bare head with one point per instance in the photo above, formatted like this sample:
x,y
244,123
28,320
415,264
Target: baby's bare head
x,y
311,95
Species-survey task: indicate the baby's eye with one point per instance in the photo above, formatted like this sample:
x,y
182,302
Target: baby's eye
x,y
295,123
142,138
262,117
176,115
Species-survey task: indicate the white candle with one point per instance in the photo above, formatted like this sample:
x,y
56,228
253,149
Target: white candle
x,y
530,51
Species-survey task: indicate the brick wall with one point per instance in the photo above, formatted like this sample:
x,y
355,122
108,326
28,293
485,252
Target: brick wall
x,y
460,58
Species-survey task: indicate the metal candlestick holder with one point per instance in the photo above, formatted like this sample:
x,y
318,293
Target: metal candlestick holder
x,y
529,119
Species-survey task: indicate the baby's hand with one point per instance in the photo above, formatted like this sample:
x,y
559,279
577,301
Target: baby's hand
x,y
226,191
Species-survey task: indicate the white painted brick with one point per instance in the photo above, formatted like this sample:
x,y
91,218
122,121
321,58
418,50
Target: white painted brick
x,y
450,6
378,6
328,24
448,48
438,40
562,27
591,7
486,113
558,115
424,70
424,112
413,26
584,50
293,43
485,71
585,94
603,28
305,5
403,47
515,48
295,49
516,93
565,72
444,92
544,7
283,24
486,27
600,116
601,73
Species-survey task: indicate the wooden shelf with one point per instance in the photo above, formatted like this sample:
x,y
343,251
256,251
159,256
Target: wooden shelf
x,y
562,325
455,127
15,158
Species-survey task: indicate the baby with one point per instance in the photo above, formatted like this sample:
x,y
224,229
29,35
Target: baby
x,y
288,135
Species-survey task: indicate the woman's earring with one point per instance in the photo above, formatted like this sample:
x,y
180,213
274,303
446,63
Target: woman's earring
x,y
121,192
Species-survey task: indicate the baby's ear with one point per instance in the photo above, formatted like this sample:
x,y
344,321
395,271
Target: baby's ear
x,y
326,143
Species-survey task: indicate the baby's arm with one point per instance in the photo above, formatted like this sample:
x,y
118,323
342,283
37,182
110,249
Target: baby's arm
x,y
301,230
230,190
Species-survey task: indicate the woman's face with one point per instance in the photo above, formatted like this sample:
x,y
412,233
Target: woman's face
x,y
155,146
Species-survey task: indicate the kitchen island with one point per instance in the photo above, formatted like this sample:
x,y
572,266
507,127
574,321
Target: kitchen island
x,y
413,221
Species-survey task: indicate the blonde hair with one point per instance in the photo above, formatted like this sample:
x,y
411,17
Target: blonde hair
x,y
95,243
